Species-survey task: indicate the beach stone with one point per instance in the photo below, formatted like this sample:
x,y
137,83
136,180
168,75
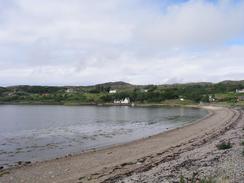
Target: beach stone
x,y
27,162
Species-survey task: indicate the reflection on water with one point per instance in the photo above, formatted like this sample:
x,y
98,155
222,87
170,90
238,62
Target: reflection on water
x,y
32,133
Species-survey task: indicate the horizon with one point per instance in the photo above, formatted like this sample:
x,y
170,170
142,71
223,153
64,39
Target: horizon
x,y
80,43
113,82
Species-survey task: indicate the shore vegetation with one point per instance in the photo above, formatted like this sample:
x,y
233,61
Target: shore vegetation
x,y
223,93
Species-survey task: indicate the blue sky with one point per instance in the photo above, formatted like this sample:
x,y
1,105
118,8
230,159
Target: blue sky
x,y
80,42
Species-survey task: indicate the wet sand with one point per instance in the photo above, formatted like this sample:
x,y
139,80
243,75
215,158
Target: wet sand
x,y
114,163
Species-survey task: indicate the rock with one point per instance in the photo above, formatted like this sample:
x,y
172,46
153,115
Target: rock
x,y
27,162
81,178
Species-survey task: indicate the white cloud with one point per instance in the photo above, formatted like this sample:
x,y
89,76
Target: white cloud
x,y
83,42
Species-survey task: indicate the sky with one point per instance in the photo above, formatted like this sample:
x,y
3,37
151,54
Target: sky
x,y
81,42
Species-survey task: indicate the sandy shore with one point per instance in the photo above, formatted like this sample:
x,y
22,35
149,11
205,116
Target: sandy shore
x,y
118,162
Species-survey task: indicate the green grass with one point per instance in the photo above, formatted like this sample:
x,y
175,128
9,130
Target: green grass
x,y
224,145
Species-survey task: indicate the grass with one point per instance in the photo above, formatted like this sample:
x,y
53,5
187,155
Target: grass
x,y
224,145
194,179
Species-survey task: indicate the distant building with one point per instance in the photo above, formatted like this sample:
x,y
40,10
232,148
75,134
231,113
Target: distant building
x,y
11,94
181,98
240,91
69,90
145,91
116,101
210,98
113,91
123,101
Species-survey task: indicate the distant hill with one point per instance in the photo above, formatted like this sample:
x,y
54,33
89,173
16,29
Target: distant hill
x,y
120,85
115,85
232,82
224,91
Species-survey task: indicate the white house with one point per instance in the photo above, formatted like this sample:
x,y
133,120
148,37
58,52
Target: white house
x,y
182,99
211,98
69,90
240,91
117,101
113,91
124,101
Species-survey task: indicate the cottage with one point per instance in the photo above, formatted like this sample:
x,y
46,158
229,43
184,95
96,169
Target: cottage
x,y
210,98
123,101
240,91
116,101
11,94
113,91
182,99
69,90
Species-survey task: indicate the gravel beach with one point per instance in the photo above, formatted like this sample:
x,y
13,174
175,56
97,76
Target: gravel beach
x,y
161,158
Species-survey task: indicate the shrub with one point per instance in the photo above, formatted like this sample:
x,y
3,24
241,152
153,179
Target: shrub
x,y
194,179
242,143
224,145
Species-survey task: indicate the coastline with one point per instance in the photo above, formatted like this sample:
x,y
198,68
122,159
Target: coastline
x,y
106,104
88,164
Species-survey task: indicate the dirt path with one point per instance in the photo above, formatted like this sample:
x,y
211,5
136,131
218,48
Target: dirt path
x,y
119,162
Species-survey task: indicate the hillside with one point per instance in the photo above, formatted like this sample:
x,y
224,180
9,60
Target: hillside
x,y
191,92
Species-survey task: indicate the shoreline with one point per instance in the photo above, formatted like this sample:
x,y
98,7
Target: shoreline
x,y
91,161
100,104
112,104
21,163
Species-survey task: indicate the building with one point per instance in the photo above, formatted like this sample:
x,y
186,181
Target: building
x,y
182,99
240,91
211,99
113,91
69,90
116,101
123,101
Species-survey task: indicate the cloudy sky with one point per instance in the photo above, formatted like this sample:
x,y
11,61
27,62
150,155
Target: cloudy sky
x,y
81,42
